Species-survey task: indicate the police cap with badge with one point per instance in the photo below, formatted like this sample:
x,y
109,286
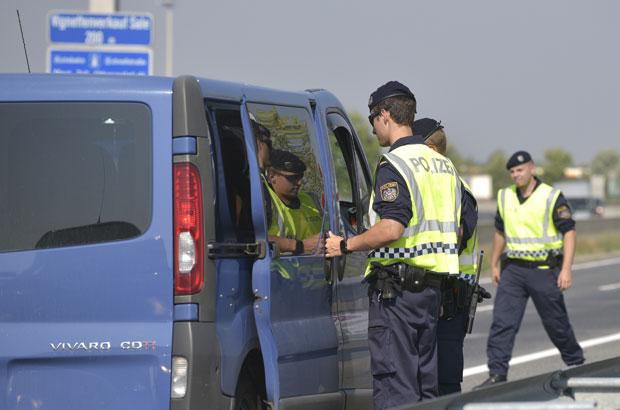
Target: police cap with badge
x,y
518,158
387,90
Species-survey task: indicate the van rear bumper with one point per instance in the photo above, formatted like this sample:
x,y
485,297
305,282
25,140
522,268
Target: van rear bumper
x,y
198,343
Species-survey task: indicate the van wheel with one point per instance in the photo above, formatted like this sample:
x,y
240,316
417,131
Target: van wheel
x,y
247,396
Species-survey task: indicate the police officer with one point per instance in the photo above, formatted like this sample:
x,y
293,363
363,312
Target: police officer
x,y
413,242
534,222
296,215
452,325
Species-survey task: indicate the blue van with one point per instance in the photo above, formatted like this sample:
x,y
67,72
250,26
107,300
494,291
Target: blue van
x,y
140,267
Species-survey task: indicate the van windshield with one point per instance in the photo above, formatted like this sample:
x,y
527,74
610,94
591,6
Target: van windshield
x,y
73,173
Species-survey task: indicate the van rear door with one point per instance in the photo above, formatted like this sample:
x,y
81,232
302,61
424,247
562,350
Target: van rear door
x,y
85,242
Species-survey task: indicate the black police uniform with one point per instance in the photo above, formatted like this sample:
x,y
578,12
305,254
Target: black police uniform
x,y
421,351
452,326
517,284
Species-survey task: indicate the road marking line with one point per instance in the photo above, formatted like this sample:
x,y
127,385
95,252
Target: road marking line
x,y
484,308
542,354
596,264
611,286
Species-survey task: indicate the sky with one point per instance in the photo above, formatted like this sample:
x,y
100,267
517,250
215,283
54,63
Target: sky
x,y
500,75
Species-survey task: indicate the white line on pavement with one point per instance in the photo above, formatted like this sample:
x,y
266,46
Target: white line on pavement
x,y
542,354
611,286
595,264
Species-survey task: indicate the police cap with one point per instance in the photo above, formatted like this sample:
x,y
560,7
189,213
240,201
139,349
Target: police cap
x,y
518,158
426,127
387,90
287,161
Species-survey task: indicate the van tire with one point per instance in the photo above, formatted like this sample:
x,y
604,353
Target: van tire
x,y
247,396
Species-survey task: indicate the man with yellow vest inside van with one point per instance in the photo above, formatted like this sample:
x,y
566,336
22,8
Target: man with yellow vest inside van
x,y
414,239
296,217
452,325
534,222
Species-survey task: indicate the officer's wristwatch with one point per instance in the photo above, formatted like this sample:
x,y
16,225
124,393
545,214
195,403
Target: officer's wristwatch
x,y
343,247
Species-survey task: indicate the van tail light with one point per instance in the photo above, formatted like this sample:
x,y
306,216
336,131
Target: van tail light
x,y
188,230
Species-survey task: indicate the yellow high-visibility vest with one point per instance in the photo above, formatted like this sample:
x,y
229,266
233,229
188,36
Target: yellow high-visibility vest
x,y
468,259
528,227
430,239
299,223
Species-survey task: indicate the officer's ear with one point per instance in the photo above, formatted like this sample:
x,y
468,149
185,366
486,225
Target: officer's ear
x,y
385,114
433,147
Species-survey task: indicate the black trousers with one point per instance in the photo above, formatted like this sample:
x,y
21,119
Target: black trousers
x,y
402,338
516,285
450,337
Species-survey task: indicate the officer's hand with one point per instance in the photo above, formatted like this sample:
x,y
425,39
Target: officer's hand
x,y
483,294
332,245
565,279
495,275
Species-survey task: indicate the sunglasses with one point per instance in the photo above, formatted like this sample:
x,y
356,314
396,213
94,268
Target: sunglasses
x,y
372,116
293,179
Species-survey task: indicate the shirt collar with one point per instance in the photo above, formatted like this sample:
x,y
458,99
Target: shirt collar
x,y
521,199
416,139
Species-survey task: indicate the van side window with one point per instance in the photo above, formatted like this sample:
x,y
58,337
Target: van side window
x,y
291,174
232,176
73,173
352,180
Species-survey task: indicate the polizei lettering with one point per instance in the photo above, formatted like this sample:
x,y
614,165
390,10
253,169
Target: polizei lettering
x,y
436,165
102,346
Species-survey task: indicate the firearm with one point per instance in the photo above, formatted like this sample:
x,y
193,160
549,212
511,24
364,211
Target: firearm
x,y
475,294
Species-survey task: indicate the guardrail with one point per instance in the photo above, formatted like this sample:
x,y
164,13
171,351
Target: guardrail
x,y
589,386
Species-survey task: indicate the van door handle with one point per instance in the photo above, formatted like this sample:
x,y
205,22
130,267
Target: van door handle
x,y
341,265
328,268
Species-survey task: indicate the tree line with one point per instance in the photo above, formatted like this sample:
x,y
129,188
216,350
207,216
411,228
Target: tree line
x,y
556,160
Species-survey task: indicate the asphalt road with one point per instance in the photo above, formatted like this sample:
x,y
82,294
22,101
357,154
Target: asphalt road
x,y
593,304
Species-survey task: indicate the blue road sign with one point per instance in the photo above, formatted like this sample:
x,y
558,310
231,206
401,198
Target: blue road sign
x,y
100,29
100,62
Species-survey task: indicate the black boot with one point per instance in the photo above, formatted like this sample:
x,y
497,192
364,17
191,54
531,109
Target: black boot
x,y
493,379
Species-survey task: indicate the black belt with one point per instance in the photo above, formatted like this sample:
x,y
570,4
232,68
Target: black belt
x,y
414,279
389,280
534,264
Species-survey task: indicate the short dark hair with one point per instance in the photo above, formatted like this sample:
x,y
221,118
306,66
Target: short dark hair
x,y
260,130
401,109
